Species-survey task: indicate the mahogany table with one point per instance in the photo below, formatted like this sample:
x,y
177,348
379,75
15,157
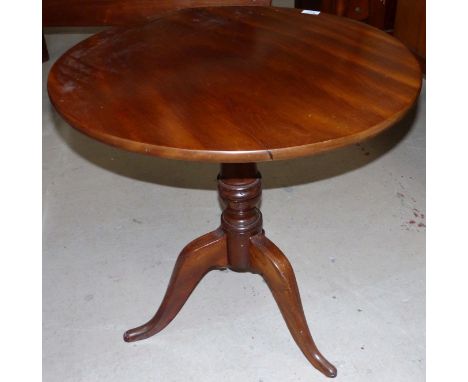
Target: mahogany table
x,y
236,85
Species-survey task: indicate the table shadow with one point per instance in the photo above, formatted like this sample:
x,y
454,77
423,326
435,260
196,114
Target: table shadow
x,y
199,175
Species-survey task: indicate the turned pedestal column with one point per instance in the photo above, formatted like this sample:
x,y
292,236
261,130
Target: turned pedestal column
x,y
239,244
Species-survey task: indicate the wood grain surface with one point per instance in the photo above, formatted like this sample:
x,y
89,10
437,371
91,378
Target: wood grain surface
x,y
235,84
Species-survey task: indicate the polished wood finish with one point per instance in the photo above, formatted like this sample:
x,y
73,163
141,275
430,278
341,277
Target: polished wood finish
x,y
355,9
121,12
378,13
268,260
239,244
235,84
410,27
241,219
202,255
382,14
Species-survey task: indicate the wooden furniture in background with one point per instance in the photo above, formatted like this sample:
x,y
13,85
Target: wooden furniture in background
x,y
236,85
45,52
59,13
121,12
410,27
308,4
378,13
354,9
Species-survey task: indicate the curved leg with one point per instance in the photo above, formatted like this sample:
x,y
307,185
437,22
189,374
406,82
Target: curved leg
x,y
267,260
202,255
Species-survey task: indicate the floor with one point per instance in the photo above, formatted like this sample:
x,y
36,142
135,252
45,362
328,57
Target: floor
x,y
351,222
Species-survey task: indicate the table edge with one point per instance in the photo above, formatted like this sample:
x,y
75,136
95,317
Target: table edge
x,y
244,156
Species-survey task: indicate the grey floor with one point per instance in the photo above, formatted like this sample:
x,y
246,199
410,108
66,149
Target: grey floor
x,y
351,222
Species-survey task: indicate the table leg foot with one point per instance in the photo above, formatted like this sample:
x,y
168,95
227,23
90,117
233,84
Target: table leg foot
x,y
240,245
202,255
268,260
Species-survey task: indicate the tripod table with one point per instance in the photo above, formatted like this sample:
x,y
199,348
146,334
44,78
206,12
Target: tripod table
x,y
236,86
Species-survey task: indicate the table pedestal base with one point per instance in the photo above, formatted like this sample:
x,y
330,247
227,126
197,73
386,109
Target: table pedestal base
x,y
239,244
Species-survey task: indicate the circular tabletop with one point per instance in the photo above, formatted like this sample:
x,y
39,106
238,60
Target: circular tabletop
x,y
235,84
